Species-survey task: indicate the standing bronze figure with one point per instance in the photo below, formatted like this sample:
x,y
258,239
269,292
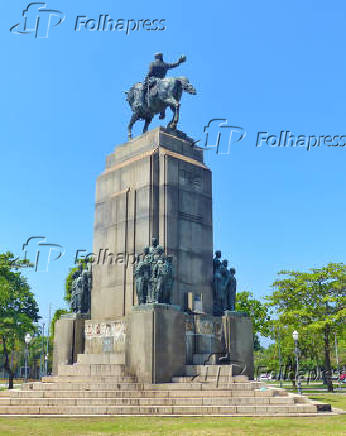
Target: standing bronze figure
x,y
154,276
224,285
81,289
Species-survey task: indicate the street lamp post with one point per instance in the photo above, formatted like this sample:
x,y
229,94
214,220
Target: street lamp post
x,y
280,363
46,365
27,340
295,335
337,359
42,353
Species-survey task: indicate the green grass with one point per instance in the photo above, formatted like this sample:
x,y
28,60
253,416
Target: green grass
x,y
311,385
336,400
309,388
322,426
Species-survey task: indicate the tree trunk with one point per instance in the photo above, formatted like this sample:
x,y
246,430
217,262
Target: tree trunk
x,y
327,360
10,379
7,366
292,373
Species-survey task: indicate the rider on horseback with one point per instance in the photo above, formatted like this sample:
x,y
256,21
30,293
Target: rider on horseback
x,y
158,70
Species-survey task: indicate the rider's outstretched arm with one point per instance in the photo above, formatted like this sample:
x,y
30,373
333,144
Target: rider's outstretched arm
x,y
172,65
176,64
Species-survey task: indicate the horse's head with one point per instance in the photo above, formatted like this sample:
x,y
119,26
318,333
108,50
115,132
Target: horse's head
x,y
186,85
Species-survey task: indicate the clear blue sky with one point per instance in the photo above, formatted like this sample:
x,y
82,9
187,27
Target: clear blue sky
x,y
269,65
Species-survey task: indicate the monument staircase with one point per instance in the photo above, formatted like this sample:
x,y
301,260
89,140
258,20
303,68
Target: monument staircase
x,y
100,385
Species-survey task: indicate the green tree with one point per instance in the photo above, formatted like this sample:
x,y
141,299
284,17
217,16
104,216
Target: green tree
x,y
258,313
279,357
18,309
57,315
313,302
68,284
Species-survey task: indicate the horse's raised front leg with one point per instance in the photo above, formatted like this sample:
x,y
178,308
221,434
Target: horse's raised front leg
x,y
133,119
174,105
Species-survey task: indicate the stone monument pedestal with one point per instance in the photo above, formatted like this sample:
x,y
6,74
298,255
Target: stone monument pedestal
x,y
155,343
69,339
155,186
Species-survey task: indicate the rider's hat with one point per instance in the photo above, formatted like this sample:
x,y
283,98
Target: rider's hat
x,y
158,56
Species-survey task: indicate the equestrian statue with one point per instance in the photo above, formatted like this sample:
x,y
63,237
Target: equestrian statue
x,y
156,93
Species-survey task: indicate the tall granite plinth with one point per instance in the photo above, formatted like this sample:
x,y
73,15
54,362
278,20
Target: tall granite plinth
x,y
155,343
155,185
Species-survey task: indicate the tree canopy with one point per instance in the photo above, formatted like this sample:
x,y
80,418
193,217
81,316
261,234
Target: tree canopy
x,y
18,308
314,303
258,313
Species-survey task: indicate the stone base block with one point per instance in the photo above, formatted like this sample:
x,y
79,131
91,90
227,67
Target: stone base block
x,y
155,343
102,359
239,342
69,340
221,341
103,337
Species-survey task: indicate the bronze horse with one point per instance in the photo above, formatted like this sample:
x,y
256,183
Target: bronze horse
x,y
164,93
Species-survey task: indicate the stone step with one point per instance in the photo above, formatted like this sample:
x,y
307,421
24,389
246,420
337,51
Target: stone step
x,y
141,394
208,379
131,379
107,358
81,369
187,401
94,386
85,379
268,410
213,371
